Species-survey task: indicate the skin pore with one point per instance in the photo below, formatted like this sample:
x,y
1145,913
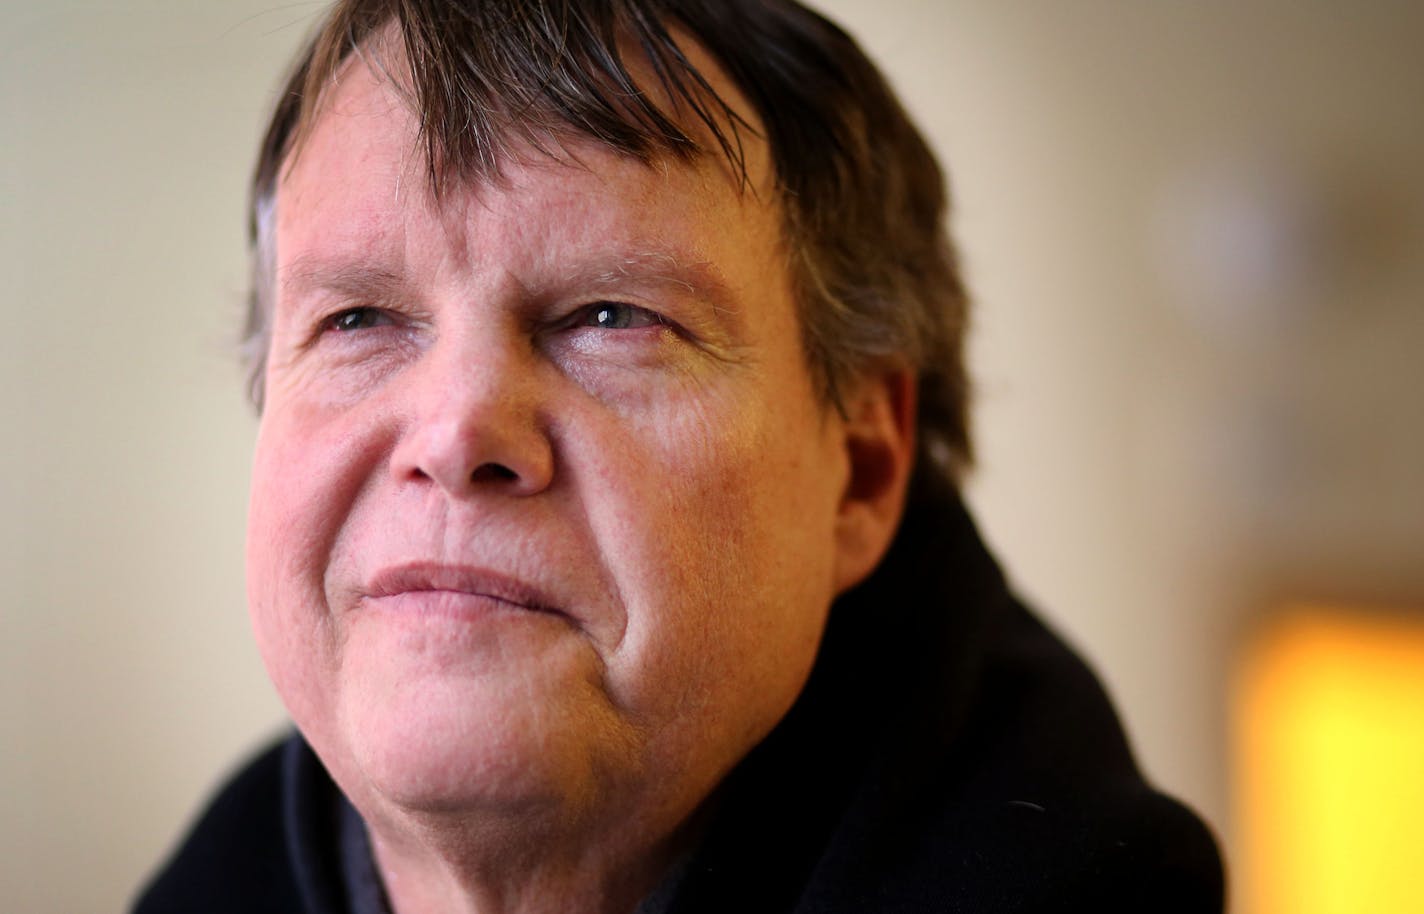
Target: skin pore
x,y
547,514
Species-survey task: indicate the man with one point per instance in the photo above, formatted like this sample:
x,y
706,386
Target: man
x,y
604,543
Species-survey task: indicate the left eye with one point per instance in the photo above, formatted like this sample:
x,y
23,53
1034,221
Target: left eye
x,y
618,316
356,319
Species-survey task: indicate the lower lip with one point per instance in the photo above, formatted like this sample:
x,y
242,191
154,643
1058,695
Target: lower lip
x,y
448,604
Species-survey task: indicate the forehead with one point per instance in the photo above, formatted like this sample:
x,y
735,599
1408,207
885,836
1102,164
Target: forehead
x,y
360,189
480,120
363,158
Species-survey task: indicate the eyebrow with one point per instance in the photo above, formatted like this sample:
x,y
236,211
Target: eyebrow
x,y
356,280
369,282
701,278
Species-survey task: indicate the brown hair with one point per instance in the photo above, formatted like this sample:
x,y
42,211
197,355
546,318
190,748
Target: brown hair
x,y
863,197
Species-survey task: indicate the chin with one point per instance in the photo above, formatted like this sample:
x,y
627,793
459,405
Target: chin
x,y
445,741
438,765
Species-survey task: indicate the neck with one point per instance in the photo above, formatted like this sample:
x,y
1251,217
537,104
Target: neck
x,y
444,865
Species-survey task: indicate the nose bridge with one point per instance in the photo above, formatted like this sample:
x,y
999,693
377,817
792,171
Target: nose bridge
x,y
474,419
474,369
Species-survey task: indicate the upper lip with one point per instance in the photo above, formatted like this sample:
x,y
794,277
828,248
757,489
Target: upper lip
x,y
416,577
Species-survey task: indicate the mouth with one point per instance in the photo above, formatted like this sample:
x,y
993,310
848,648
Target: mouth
x,y
421,583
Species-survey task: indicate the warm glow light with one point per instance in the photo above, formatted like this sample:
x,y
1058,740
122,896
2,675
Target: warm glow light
x,y
1329,749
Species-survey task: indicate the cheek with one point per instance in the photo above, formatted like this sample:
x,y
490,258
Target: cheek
x,y
305,474
722,551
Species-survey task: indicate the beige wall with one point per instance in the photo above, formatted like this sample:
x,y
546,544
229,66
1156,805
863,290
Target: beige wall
x,y
127,678
1174,434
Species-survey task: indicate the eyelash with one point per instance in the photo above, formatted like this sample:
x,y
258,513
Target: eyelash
x,y
598,324
635,318
602,315
335,322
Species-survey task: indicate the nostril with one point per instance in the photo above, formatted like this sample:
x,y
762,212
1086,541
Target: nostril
x,y
493,472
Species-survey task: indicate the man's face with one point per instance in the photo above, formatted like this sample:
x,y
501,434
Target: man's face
x,y
544,504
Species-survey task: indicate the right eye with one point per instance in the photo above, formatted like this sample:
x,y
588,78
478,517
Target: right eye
x,y
356,319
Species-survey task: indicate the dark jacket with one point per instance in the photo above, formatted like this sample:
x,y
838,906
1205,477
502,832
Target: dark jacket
x,y
949,754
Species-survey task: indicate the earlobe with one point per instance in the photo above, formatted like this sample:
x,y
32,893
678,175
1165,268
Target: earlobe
x,y
880,451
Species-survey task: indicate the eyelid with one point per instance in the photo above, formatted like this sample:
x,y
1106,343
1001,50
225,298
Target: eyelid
x,y
322,322
646,317
381,316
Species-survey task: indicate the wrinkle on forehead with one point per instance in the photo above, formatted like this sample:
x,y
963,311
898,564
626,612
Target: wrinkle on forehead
x,y
740,154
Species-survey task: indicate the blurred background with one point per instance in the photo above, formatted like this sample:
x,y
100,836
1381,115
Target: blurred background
x,y
1195,237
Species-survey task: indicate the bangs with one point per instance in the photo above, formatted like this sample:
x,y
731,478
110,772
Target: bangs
x,y
486,77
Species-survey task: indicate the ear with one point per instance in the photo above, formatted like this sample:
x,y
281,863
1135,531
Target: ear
x,y
880,450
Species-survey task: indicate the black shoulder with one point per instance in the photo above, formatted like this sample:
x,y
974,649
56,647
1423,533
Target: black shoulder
x,y
236,857
1042,807
1155,855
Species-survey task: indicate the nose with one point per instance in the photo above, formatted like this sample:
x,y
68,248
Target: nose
x,y
474,424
